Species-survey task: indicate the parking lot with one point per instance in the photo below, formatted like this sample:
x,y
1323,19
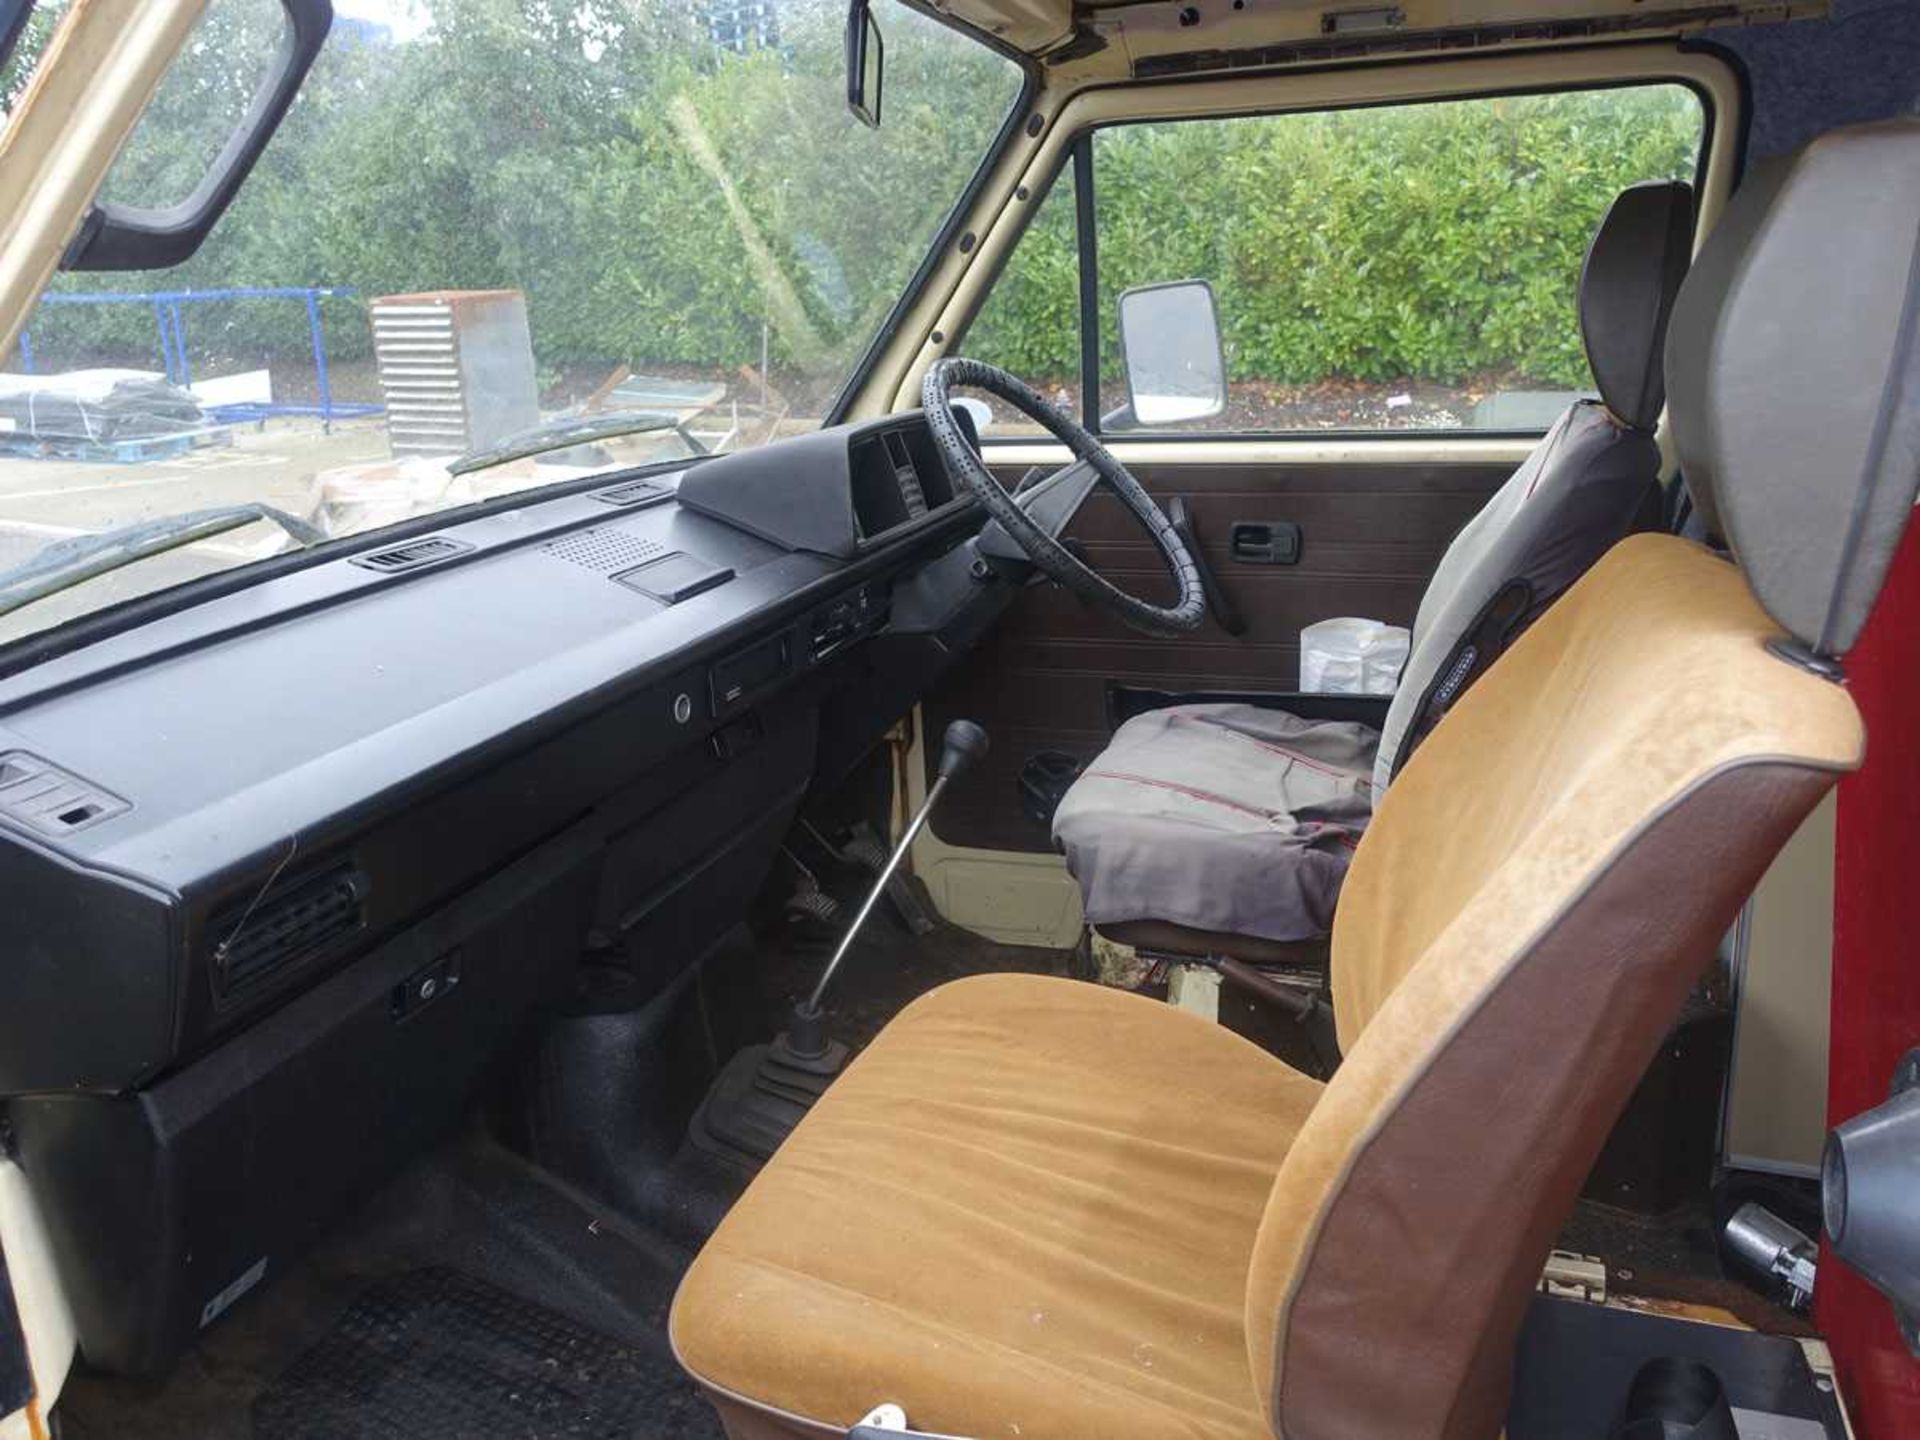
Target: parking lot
x,y
43,501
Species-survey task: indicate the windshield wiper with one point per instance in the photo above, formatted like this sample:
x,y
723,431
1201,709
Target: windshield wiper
x,y
65,563
571,430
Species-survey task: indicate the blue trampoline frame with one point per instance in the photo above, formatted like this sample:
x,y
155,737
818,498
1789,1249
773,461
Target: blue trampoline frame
x,y
173,343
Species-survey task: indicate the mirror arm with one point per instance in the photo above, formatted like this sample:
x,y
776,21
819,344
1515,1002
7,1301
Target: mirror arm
x,y
1225,612
127,237
863,35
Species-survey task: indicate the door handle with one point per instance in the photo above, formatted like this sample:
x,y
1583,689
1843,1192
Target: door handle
x,y
1225,613
1258,542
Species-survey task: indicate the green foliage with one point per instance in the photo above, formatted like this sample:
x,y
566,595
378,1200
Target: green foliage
x,y
1432,241
559,150
665,203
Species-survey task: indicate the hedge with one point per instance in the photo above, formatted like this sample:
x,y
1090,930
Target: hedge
x,y
605,168
1433,241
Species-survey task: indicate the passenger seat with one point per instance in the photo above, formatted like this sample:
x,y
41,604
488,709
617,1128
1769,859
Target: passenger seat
x,y
1227,829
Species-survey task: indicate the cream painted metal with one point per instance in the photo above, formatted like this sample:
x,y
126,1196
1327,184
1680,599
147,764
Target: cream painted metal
x,y
1776,1118
1134,30
44,1312
1072,100
97,74
1281,450
1014,899
1194,989
1023,899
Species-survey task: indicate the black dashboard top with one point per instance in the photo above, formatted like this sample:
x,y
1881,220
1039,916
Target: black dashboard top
x,y
168,769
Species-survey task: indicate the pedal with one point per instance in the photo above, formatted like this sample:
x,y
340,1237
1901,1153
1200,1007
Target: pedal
x,y
865,850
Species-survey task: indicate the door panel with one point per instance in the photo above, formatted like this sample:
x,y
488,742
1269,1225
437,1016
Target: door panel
x,y
1371,537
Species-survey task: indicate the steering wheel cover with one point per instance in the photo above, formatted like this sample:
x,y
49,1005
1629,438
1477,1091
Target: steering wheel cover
x,y
964,467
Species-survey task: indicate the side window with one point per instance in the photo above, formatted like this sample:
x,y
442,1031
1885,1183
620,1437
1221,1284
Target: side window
x,y
1409,267
1030,324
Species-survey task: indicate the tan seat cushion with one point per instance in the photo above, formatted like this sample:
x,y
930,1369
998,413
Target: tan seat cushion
x,y
1027,1209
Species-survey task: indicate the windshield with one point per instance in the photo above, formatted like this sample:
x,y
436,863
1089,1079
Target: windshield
x,y
491,229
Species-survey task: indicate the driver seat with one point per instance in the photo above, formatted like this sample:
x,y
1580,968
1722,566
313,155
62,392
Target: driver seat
x,y
1040,1208
1228,829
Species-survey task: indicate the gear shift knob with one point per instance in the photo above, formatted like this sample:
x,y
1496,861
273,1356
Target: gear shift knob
x,y
964,744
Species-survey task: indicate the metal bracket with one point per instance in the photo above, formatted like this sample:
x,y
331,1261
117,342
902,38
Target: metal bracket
x,y
889,1422
1575,1277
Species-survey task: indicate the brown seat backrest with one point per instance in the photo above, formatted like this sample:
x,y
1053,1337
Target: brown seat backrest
x,y
1549,875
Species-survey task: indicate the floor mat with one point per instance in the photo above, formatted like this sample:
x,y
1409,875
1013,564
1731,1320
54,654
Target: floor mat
x,y
471,1210
436,1352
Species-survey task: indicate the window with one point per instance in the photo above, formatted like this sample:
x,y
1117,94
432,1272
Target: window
x,y
24,31
662,213
1408,267
1030,324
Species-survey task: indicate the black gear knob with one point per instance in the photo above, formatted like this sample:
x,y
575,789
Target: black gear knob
x,y
964,745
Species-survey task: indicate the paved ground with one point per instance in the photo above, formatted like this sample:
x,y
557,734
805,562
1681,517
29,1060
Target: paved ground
x,y
43,501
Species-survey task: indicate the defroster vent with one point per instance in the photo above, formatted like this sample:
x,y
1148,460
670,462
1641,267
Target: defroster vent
x,y
632,492
265,934
412,554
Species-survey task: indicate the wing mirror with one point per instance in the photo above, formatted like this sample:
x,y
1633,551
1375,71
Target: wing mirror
x,y
127,237
1170,348
865,62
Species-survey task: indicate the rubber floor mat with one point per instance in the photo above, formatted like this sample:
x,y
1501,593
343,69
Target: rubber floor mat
x,y
435,1353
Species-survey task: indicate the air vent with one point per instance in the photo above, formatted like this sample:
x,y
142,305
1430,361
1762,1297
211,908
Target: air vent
x,y
412,554
604,548
262,935
53,801
633,492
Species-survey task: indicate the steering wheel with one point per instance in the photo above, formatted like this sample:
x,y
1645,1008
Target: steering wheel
x,y
1035,526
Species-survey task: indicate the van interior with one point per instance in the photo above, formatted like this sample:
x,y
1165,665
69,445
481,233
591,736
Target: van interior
x,y
913,925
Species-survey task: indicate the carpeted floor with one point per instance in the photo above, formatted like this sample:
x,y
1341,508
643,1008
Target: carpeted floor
x,y
479,1296
472,1273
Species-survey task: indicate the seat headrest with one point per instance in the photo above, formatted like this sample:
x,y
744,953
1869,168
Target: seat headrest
x,y
1794,365
1627,286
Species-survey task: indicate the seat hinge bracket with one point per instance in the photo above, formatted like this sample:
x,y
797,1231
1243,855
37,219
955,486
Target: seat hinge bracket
x,y
889,1422
1575,1277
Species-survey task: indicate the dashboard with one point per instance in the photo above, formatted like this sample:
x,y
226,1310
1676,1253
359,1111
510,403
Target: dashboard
x,y
284,870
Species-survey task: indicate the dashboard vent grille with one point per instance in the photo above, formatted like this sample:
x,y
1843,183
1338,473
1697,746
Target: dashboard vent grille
x,y
263,934
51,800
412,554
632,492
605,548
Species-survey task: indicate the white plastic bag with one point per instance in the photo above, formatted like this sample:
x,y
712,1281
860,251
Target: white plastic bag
x,y
1351,656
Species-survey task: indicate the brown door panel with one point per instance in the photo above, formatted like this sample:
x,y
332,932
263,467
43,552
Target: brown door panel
x,y
1371,537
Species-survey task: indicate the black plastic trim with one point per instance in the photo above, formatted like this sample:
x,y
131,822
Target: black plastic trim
x,y
110,620
1010,130
127,237
14,15
934,531
1087,267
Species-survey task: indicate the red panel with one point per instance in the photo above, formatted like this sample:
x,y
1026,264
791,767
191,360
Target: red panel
x,y
1876,972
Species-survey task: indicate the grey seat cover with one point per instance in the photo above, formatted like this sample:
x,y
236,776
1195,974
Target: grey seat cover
x,y
1221,817
1569,502
1233,819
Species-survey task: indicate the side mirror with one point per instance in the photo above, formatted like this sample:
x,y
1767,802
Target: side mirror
x,y
1170,348
126,237
865,63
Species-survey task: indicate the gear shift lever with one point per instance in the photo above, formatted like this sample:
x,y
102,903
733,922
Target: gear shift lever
x,y
964,744
765,1090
